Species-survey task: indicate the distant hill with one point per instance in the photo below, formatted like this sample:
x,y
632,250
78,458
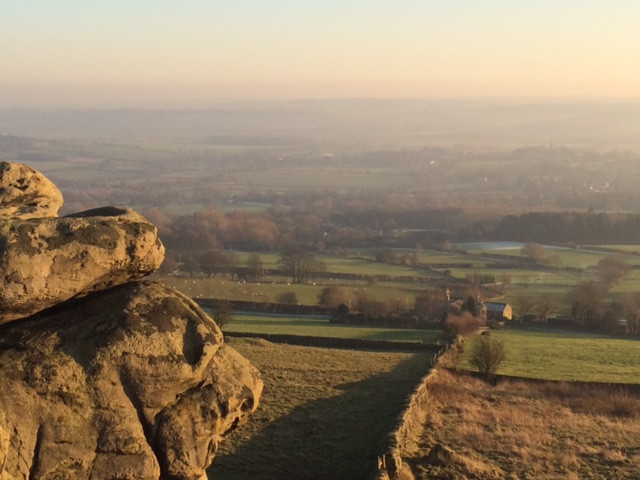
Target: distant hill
x,y
598,124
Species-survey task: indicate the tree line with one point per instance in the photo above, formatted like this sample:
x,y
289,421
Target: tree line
x,y
319,227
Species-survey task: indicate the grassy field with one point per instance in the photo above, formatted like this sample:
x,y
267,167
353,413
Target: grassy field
x,y
317,179
269,290
404,283
319,326
567,356
539,354
523,430
325,413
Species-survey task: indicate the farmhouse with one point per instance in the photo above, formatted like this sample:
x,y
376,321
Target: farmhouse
x,y
498,311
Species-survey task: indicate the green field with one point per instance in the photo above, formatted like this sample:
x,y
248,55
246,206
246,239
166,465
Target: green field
x,y
539,354
578,257
403,283
531,353
269,289
324,413
318,326
567,356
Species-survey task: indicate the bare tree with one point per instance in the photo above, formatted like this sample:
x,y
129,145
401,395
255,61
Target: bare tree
x,y
214,262
430,305
534,251
523,306
543,308
255,267
612,270
300,264
588,302
631,312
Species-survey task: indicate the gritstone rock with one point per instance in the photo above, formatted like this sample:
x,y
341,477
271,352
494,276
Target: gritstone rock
x,y
131,382
26,193
47,261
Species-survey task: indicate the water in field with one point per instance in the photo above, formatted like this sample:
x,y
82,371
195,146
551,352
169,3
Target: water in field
x,y
490,245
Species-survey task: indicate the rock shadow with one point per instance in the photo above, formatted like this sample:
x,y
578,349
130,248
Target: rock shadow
x,y
338,437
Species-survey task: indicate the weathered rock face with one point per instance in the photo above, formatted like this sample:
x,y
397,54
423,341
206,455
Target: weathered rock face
x,y
26,193
103,376
132,382
47,261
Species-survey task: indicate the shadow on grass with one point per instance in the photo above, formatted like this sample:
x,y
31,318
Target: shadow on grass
x,y
338,437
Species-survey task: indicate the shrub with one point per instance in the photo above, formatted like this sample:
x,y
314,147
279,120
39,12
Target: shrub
x,y
333,297
487,355
287,298
222,312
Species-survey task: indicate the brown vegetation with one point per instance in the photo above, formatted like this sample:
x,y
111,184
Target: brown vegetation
x,y
526,430
463,324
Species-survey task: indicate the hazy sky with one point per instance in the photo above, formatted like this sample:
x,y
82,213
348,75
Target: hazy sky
x,y
144,52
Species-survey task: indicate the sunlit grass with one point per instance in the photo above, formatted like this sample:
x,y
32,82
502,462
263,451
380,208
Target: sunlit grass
x,y
524,430
568,356
324,413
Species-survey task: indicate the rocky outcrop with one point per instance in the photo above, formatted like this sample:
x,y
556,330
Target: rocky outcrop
x,y
103,375
47,261
26,193
134,382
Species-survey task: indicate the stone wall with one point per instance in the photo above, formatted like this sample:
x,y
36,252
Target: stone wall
x,y
410,423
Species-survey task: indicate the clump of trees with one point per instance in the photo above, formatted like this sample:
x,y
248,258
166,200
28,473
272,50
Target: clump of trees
x,y
612,270
288,297
430,306
591,309
584,227
336,222
389,256
334,296
300,265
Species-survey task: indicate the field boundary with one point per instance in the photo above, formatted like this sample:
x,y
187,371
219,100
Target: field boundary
x,y
268,307
632,388
338,343
410,421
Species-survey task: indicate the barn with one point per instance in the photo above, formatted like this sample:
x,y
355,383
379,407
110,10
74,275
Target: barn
x,y
497,311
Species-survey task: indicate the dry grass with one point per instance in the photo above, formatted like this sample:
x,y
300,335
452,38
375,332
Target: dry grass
x,y
524,430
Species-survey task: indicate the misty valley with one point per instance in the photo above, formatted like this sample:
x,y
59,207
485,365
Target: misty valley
x,y
429,289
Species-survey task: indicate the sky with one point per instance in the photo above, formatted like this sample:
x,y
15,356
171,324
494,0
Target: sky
x,y
120,53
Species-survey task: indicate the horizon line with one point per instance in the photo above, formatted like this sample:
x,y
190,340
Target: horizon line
x,y
193,104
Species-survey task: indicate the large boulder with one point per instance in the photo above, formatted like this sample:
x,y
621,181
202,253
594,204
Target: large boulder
x,y
47,261
26,193
132,382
